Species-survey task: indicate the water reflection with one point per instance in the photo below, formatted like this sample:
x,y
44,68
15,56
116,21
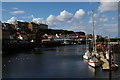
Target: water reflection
x,y
92,70
55,62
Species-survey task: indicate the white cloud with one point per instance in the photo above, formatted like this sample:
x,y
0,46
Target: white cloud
x,y
95,15
109,0
103,18
14,8
2,10
103,15
108,6
17,12
37,20
89,12
119,15
113,18
27,17
111,27
54,0
79,14
70,21
64,16
52,20
108,29
91,20
20,20
11,20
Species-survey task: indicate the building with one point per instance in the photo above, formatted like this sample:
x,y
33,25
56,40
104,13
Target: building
x,y
22,26
8,26
43,26
35,27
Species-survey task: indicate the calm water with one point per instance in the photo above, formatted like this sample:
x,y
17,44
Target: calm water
x,y
55,62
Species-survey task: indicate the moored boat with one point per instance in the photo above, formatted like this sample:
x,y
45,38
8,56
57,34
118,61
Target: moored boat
x,y
94,62
87,55
94,59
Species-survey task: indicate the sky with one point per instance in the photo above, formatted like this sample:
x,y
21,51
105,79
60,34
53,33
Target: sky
x,y
75,16
59,0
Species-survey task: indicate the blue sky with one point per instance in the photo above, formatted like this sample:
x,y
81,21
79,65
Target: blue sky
x,y
74,16
41,9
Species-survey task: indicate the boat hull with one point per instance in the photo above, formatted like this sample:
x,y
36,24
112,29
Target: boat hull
x,y
85,57
93,64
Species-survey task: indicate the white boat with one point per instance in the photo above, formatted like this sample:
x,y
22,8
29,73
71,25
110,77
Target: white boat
x,y
94,59
66,42
94,62
87,55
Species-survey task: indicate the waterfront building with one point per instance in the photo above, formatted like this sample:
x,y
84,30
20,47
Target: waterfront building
x,y
80,33
43,26
81,37
34,27
8,26
21,26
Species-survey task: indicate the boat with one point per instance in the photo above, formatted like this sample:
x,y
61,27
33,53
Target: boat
x,y
65,42
94,62
87,53
94,59
114,67
110,63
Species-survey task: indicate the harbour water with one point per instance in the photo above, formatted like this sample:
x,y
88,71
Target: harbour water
x,y
54,62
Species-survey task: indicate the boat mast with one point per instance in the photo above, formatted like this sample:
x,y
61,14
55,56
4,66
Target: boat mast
x,y
86,43
94,40
109,51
